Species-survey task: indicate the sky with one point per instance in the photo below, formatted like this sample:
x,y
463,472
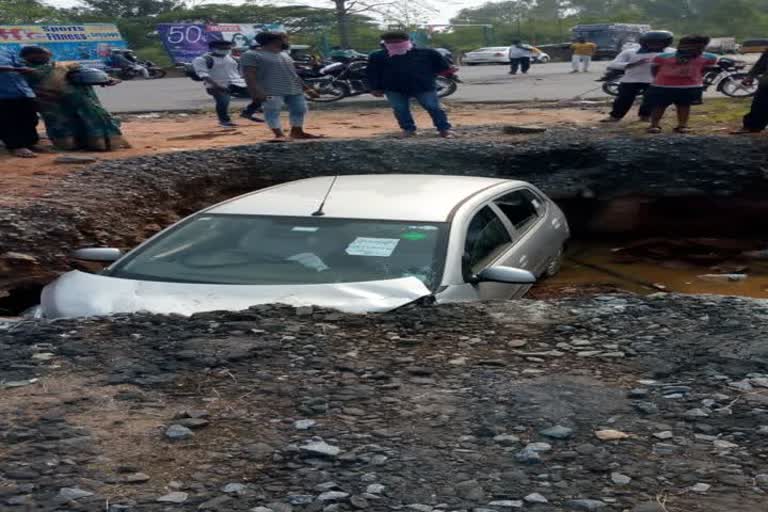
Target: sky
x,y
446,9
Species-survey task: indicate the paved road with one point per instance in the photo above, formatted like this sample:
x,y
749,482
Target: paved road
x,y
483,83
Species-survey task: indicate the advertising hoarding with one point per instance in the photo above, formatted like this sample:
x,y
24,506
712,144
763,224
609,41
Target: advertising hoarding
x,y
86,43
185,41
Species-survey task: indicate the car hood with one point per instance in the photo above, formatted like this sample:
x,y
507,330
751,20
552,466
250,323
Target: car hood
x,y
78,294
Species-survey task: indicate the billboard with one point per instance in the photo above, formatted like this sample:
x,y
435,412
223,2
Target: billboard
x,y
88,43
185,41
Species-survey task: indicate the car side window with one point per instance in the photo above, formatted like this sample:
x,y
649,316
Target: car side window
x,y
487,237
521,207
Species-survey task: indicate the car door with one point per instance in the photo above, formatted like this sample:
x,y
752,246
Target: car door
x,y
533,247
489,242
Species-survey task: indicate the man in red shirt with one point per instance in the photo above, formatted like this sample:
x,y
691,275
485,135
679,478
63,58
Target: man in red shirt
x,y
679,80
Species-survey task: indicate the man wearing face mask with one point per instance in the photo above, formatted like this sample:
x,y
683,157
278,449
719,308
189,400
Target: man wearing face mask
x,y
221,74
271,77
401,72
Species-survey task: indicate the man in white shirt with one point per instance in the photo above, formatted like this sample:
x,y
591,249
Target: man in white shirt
x,y
636,64
221,74
520,57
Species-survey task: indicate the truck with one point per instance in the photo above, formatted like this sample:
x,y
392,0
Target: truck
x,y
610,38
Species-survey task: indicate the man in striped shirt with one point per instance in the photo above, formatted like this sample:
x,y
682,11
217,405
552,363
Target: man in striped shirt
x,y
271,78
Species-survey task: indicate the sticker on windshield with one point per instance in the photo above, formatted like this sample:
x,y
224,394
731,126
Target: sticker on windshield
x,y
381,247
305,229
424,228
413,236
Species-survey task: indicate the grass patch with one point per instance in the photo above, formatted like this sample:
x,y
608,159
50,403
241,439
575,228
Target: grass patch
x,y
720,111
715,117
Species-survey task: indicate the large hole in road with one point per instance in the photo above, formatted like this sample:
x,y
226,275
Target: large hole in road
x,y
615,191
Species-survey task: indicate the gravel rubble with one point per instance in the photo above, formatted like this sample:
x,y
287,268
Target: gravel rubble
x,y
399,424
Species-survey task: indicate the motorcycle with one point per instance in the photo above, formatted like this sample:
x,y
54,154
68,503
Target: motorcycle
x,y
340,80
155,71
727,76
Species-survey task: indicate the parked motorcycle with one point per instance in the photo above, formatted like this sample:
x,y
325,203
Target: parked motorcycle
x,y
727,76
155,71
340,80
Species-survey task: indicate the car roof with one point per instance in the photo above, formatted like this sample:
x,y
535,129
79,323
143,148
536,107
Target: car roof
x,y
412,197
493,48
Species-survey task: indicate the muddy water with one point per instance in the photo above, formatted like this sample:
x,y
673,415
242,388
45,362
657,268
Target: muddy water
x,y
596,263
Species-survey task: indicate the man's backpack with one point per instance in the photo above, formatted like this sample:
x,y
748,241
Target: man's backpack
x,y
189,69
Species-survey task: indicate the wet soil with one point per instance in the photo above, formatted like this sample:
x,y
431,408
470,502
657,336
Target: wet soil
x,y
604,265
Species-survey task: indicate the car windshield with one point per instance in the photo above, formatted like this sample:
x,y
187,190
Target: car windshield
x,y
262,250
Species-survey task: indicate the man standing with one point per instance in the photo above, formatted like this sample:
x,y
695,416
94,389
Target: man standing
x,y
18,109
520,57
583,51
678,79
271,77
221,74
757,118
401,72
636,64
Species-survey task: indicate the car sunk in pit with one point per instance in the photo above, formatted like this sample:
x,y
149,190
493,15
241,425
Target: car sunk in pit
x,y
365,243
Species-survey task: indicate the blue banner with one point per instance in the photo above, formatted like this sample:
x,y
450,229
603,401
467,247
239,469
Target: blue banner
x,y
185,41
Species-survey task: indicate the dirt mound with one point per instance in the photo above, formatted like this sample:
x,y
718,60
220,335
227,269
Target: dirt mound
x,y
485,407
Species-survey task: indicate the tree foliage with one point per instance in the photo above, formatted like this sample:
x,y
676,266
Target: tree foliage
x,y
550,20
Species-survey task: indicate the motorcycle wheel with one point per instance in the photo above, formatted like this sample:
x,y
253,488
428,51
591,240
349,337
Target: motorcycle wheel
x,y
155,73
611,88
446,87
734,88
328,91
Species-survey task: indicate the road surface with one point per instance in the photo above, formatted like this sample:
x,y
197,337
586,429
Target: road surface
x,y
482,83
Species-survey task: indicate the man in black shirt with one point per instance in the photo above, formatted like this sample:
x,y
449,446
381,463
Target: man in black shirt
x,y
401,72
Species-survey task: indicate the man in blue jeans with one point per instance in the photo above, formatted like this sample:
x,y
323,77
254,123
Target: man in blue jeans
x,y
400,72
220,73
271,77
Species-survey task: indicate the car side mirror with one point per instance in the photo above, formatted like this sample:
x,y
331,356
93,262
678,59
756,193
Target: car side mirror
x,y
98,254
506,275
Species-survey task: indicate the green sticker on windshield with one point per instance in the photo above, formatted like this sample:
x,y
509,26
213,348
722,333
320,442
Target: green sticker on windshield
x,y
413,236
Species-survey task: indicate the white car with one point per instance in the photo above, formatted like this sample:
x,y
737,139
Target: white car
x,y
498,55
355,243
490,55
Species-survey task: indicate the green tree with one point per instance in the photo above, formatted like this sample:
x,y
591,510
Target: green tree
x,y
14,12
130,8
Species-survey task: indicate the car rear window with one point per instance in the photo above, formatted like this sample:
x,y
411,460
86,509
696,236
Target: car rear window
x,y
264,250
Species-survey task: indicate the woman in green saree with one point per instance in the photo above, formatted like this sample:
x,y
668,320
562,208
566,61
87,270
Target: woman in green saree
x,y
73,115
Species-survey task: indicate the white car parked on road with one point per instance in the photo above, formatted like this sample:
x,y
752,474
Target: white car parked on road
x,y
497,55
355,243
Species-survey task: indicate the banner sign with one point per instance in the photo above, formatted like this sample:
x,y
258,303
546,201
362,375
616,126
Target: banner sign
x,y
88,44
185,41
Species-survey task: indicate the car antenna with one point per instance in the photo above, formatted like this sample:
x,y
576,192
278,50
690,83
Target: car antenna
x,y
320,212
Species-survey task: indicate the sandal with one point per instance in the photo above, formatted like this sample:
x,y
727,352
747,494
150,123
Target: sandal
x,y
653,129
683,130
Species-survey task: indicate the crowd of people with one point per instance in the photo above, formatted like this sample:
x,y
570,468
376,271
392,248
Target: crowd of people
x,y
34,86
